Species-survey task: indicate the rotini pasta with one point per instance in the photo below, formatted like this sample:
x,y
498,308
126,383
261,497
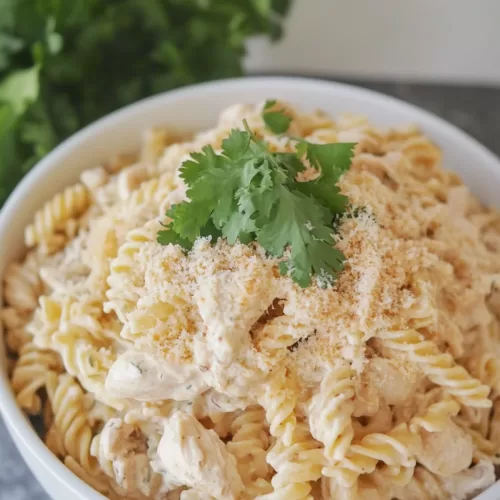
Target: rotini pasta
x,y
396,448
70,419
22,285
15,323
165,374
249,444
124,281
296,465
330,413
439,367
73,201
278,400
31,374
486,368
436,416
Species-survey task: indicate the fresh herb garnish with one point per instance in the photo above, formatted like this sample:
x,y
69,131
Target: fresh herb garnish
x,y
276,120
248,193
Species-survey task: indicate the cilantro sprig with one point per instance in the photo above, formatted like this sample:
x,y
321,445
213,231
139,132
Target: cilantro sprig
x,y
276,120
249,194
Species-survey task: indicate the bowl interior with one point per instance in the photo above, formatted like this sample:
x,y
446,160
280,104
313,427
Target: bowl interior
x,y
197,107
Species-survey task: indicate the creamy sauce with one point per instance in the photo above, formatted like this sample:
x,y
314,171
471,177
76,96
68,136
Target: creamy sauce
x,y
143,377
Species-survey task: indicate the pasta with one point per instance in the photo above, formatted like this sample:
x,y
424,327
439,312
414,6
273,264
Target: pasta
x,y
296,463
23,285
330,413
70,418
124,284
14,322
396,448
279,400
73,201
439,367
164,374
31,374
249,444
436,417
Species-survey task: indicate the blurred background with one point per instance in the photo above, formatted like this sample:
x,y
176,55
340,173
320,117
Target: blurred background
x,y
448,41
65,63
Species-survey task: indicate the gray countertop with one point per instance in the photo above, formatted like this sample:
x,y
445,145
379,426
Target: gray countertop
x,y
475,110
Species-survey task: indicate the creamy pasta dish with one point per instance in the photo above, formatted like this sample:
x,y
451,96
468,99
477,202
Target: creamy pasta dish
x,y
162,372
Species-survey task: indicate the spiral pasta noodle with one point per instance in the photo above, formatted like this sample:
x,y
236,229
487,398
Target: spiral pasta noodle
x,y
278,400
486,367
31,373
249,445
124,285
152,192
22,285
70,418
88,361
15,324
46,320
396,448
439,367
436,417
330,413
73,201
296,465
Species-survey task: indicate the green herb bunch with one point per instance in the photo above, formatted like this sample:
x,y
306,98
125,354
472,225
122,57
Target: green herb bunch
x,y
65,63
250,194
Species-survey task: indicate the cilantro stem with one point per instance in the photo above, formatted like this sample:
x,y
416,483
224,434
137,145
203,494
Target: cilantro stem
x,y
261,146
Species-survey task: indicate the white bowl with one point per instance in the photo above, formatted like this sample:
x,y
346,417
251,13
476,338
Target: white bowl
x,y
197,107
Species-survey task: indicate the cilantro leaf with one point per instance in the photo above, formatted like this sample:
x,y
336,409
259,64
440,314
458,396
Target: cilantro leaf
x,y
300,223
193,168
277,121
169,236
332,161
236,145
292,164
239,226
213,182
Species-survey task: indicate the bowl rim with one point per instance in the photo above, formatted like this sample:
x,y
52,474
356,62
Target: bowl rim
x,y
18,424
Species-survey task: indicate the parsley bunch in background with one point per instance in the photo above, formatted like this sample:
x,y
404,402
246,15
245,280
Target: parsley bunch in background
x,y
65,63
